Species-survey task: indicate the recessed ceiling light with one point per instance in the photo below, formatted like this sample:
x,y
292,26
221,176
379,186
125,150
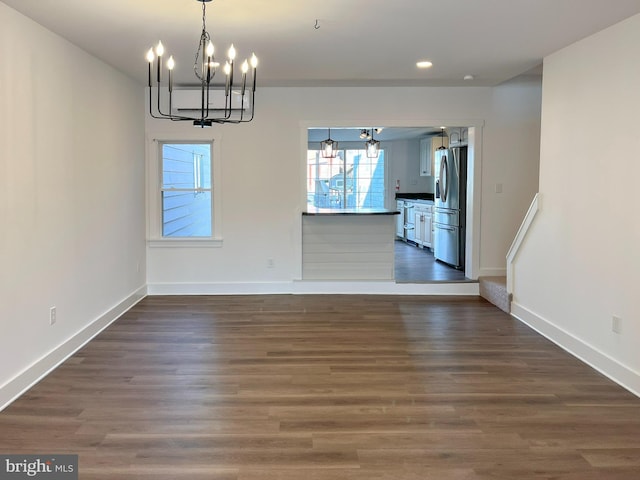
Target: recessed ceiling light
x,y
424,64
469,77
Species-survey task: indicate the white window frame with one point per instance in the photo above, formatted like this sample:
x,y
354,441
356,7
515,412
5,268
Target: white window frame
x,y
154,189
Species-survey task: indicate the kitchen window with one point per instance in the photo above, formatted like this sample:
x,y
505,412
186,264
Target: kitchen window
x,y
183,201
350,180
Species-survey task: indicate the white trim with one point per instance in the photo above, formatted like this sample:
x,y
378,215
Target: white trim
x,y
474,199
222,288
600,361
386,288
519,238
186,242
23,381
316,287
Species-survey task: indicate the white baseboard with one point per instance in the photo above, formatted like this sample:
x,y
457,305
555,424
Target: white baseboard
x,y
603,363
42,367
315,287
386,288
225,288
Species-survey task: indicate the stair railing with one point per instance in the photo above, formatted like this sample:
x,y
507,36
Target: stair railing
x,y
519,238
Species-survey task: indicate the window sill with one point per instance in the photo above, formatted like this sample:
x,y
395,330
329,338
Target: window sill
x,y
185,243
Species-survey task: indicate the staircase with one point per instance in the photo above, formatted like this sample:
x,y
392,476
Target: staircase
x,y
494,290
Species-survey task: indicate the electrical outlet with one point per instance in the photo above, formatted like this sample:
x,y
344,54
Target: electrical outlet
x,y
52,315
616,324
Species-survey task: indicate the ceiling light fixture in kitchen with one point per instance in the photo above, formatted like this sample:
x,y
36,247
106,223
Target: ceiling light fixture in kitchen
x,y
237,104
442,147
424,64
372,146
329,147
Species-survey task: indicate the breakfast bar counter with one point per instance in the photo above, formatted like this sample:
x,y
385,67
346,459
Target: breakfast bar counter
x,y
311,210
348,244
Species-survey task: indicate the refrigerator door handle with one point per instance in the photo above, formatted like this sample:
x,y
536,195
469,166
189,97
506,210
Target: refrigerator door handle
x,y
444,178
456,160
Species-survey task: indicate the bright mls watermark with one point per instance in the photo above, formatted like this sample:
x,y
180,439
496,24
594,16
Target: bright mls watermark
x,y
50,467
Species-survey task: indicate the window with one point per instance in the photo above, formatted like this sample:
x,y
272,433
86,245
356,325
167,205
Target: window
x,y
186,190
183,190
350,180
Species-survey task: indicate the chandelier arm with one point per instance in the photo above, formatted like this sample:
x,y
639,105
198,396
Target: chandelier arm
x,y
230,109
253,97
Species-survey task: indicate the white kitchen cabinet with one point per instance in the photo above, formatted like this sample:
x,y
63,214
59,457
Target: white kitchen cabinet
x,y
459,136
428,147
418,223
423,221
400,219
426,162
427,235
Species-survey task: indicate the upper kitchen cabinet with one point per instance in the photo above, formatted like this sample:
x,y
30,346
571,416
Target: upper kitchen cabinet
x,y
458,136
428,147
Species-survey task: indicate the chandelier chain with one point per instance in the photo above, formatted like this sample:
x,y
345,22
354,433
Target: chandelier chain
x,y
204,38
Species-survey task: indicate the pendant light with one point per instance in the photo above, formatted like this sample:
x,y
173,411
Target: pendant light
x,y
329,147
372,146
442,147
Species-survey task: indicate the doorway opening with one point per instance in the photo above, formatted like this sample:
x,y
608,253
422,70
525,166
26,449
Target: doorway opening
x,y
408,172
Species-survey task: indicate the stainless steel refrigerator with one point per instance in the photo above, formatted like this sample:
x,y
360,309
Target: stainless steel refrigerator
x,y
450,202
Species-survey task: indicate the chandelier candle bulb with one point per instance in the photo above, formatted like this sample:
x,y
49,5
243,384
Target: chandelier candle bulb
x,y
159,53
245,69
210,50
254,66
150,58
170,64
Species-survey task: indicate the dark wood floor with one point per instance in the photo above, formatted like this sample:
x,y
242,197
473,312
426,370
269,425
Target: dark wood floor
x,y
327,387
417,265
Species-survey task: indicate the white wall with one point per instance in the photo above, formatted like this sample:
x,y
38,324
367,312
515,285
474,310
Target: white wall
x,y
71,197
579,265
513,145
404,165
263,188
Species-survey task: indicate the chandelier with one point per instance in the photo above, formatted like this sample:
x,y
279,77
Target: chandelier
x,y
238,103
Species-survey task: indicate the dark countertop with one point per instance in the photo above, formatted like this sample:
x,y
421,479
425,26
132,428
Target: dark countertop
x,y
349,211
415,196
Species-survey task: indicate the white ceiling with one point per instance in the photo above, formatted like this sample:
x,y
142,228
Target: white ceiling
x,y
358,42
